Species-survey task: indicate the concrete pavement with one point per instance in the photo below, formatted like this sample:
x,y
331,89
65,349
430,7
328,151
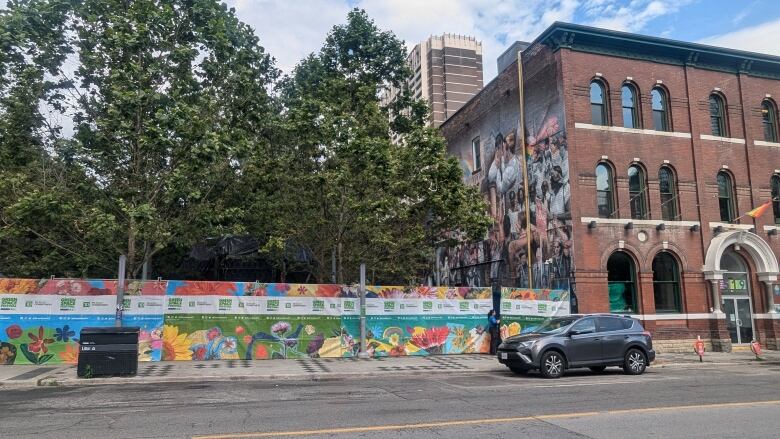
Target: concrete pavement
x,y
320,368
722,400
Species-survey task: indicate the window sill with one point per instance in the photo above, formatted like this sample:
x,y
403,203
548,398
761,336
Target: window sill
x,y
722,139
770,228
677,316
729,226
765,143
651,223
588,126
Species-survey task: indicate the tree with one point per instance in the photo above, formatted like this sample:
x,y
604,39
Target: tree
x,y
363,196
167,99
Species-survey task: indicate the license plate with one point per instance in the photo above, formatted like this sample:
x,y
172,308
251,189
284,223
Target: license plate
x,y
504,356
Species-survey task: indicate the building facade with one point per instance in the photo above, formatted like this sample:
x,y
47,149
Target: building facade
x,y
446,72
642,157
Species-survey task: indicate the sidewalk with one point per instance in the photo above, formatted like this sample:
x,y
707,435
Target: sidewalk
x,y
321,369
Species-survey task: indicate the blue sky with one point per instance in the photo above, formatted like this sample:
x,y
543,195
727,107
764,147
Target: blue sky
x,y
291,29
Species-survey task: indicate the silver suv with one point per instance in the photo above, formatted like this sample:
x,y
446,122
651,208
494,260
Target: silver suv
x,y
594,341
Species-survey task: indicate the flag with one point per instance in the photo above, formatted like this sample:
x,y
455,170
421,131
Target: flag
x,y
758,211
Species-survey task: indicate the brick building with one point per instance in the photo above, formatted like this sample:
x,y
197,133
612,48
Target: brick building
x,y
642,156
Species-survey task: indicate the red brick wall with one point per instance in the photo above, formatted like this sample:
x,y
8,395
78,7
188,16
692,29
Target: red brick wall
x,y
695,161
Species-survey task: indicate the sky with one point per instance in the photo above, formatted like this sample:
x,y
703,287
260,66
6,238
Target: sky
x,y
291,29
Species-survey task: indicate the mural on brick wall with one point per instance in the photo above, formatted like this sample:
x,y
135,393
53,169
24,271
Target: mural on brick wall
x,y
40,320
539,215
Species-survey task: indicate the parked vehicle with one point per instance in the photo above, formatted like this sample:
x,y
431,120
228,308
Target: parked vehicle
x,y
593,341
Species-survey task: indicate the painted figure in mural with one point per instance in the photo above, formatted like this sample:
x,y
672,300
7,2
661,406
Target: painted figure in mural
x,y
495,336
560,195
540,269
445,270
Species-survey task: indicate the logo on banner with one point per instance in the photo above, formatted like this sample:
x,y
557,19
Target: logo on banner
x,y
8,303
427,305
318,305
225,304
389,306
28,304
506,305
126,303
174,303
272,305
349,305
541,308
67,304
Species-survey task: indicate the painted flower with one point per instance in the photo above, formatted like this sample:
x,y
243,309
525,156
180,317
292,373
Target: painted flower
x,y
394,339
290,342
510,330
280,328
315,344
71,353
309,329
239,330
18,286
63,334
7,353
206,288
13,331
452,293
157,342
328,290
391,293
213,333
301,290
174,345
247,339
229,345
431,339
199,352
398,351
39,343
261,352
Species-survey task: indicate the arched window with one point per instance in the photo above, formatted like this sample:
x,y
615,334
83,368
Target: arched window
x,y
666,283
637,192
667,185
605,191
621,281
630,106
598,103
660,109
728,208
718,116
775,183
769,119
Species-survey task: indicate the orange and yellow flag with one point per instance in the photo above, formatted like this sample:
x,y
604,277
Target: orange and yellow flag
x,y
758,211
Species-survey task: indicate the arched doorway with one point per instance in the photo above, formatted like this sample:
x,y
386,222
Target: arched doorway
x,y
730,277
735,297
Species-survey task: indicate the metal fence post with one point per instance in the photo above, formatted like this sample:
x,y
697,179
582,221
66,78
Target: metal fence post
x,y
120,291
362,292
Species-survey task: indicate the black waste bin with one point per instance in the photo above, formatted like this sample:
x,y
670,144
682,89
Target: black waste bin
x,y
108,352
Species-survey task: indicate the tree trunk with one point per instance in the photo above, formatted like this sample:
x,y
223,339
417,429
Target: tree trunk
x,y
131,232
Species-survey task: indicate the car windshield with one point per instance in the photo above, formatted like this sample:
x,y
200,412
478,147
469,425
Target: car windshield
x,y
555,326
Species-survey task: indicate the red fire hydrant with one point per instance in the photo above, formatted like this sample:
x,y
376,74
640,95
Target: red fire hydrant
x,y
755,346
698,347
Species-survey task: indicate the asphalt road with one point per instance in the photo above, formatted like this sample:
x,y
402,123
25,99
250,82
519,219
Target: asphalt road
x,y
716,402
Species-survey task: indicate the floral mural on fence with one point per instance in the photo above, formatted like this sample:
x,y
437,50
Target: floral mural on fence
x,y
40,320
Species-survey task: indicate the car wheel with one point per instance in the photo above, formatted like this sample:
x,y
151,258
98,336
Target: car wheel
x,y
519,370
598,369
552,364
635,362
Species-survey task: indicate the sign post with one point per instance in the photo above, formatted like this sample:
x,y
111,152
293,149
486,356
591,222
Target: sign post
x,y
120,291
362,292
698,347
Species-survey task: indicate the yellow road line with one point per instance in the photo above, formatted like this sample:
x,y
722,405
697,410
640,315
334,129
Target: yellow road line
x,y
480,421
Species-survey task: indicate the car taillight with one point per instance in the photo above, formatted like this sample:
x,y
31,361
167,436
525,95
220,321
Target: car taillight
x,y
647,334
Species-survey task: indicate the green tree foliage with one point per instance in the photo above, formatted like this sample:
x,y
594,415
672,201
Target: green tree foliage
x,y
166,99
142,127
363,196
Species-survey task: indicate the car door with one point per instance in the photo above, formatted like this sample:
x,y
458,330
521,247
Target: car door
x,y
613,338
584,344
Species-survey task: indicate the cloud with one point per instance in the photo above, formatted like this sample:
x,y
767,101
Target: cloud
x,y
754,39
290,30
